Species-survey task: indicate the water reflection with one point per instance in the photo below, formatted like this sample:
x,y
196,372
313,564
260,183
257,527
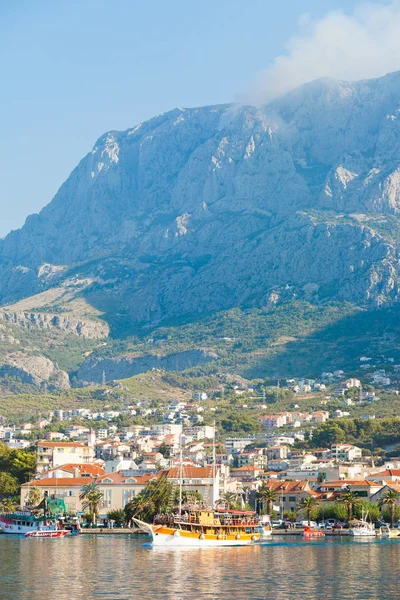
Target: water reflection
x,y
119,568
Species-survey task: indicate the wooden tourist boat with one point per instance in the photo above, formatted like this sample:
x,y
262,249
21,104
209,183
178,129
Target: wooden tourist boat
x,y
204,527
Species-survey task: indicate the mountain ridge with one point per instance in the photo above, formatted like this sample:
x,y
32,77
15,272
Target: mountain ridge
x,y
205,209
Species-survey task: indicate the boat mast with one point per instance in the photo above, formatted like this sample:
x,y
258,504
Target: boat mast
x,y
215,479
180,474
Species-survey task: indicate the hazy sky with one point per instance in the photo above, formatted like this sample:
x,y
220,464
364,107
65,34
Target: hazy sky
x,y
73,69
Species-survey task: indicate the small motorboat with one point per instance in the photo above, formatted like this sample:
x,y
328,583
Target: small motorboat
x,y
55,533
312,533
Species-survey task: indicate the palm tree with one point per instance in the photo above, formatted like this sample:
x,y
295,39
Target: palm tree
x,y
91,497
158,496
230,499
117,515
267,496
390,498
308,504
35,496
8,505
349,499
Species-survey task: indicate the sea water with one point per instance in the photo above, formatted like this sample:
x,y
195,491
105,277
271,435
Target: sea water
x,y
123,568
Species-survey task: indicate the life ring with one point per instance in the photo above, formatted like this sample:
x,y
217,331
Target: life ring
x,y
238,537
201,536
220,537
254,538
176,534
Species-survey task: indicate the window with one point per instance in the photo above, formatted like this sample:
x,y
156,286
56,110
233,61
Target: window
x,y
292,498
283,498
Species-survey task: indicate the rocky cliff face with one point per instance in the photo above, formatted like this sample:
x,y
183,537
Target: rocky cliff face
x,y
34,370
203,209
94,369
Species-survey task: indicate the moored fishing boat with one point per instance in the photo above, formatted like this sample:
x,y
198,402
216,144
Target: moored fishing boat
x,y
27,523
40,520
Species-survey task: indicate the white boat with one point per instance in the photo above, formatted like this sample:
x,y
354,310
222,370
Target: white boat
x,y
26,523
362,529
386,532
264,528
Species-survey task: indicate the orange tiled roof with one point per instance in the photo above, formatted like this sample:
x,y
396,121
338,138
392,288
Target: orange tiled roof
x,y
54,482
190,472
46,444
87,468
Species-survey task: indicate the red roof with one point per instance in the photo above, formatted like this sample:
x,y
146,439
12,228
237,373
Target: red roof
x,y
190,472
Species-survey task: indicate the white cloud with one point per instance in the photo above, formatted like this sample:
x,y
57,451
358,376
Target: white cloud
x,y
350,47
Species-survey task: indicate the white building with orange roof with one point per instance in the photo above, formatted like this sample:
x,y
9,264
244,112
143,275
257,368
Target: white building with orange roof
x,y
117,489
52,454
289,493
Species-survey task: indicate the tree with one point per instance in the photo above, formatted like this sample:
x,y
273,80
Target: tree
x,y
267,497
165,450
307,505
349,499
35,496
9,485
327,434
390,498
118,516
157,497
8,505
91,497
230,499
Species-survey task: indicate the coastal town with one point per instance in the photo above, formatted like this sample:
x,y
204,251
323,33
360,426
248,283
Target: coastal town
x,y
290,456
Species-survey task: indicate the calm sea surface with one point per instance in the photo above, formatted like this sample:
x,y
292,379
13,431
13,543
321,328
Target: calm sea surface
x,y
121,568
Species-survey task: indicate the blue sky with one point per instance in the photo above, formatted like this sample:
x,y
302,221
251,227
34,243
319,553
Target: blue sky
x,y
71,70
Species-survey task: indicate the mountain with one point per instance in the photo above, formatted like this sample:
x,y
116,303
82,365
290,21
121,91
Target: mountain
x,y
202,210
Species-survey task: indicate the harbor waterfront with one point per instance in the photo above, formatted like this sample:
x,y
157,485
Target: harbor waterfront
x,y
122,567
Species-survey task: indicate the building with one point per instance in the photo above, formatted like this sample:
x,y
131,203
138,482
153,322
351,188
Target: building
x,y
345,452
289,494
362,488
387,476
199,396
274,421
277,452
199,480
233,445
53,454
117,490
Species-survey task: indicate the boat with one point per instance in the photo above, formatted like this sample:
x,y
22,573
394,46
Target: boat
x,y
362,529
264,528
38,520
56,533
204,527
309,533
28,523
385,532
